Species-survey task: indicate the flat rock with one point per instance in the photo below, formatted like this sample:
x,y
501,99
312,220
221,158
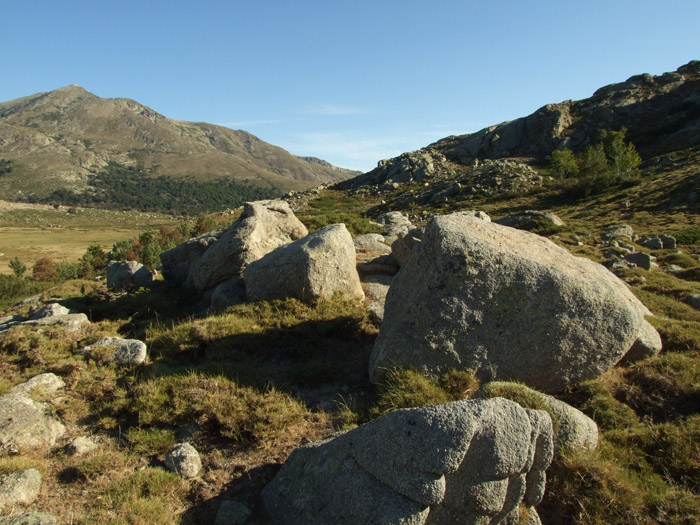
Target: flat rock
x,y
46,384
29,518
69,322
82,445
19,488
371,242
26,424
50,310
126,351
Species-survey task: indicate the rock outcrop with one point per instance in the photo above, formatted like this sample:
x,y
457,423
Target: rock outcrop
x,y
128,275
466,462
26,424
318,266
125,351
505,304
19,488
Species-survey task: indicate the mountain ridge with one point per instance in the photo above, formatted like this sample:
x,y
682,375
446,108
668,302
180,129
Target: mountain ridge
x,y
56,139
661,114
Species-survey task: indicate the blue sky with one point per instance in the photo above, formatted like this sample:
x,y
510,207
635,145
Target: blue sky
x,y
351,82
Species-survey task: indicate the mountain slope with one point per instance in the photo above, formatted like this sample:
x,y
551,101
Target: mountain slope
x,y
661,113
56,139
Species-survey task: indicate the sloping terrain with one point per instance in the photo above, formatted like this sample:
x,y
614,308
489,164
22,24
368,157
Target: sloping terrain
x,y
55,140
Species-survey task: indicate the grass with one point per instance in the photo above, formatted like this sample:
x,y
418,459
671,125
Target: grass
x,y
248,385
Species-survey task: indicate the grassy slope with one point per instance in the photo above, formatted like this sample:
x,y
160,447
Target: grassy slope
x,y
248,385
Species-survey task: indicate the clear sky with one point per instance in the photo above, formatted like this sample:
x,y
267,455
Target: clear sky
x,y
351,82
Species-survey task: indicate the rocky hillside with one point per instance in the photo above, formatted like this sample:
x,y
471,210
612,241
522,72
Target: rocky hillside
x,y
58,139
661,114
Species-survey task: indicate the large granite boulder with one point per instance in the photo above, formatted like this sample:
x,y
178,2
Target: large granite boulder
x,y
177,261
263,226
460,462
126,275
505,304
318,266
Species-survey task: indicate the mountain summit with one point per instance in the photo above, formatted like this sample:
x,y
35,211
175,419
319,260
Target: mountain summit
x,y
56,140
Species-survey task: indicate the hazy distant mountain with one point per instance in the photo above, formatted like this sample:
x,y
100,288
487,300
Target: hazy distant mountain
x,y
56,140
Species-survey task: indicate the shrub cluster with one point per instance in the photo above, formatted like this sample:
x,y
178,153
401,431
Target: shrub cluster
x,y
608,162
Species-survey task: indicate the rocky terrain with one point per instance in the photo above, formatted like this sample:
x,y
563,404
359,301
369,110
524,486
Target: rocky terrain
x,y
56,139
440,340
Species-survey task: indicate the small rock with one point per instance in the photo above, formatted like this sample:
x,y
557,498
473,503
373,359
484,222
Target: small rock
x,y
668,242
45,383
69,322
82,445
617,230
184,460
127,351
19,488
641,259
125,275
50,310
694,300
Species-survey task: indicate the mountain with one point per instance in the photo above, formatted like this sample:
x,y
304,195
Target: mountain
x,y
661,114
57,140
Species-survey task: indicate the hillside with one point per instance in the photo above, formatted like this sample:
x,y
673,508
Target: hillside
x,y
57,140
249,383
661,114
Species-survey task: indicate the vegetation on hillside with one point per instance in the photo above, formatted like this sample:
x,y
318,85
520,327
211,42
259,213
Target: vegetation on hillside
x,y
126,187
248,385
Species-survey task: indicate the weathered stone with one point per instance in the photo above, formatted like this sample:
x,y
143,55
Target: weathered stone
x,y
263,227
19,488
69,322
371,242
82,445
402,247
9,321
228,294
504,303
127,275
395,225
177,260
320,265
653,242
126,351
668,242
376,286
572,428
617,230
531,219
376,311
50,310
641,259
184,460
458,462
45,384
648,344
29,518
25,423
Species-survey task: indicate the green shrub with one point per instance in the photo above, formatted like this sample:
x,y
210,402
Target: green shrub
x,y
17,267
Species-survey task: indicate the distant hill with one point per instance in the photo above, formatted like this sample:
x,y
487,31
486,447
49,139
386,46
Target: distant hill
x,y
661,114
60,139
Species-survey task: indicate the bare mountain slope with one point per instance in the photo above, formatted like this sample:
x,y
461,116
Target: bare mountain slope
x,y
56,139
